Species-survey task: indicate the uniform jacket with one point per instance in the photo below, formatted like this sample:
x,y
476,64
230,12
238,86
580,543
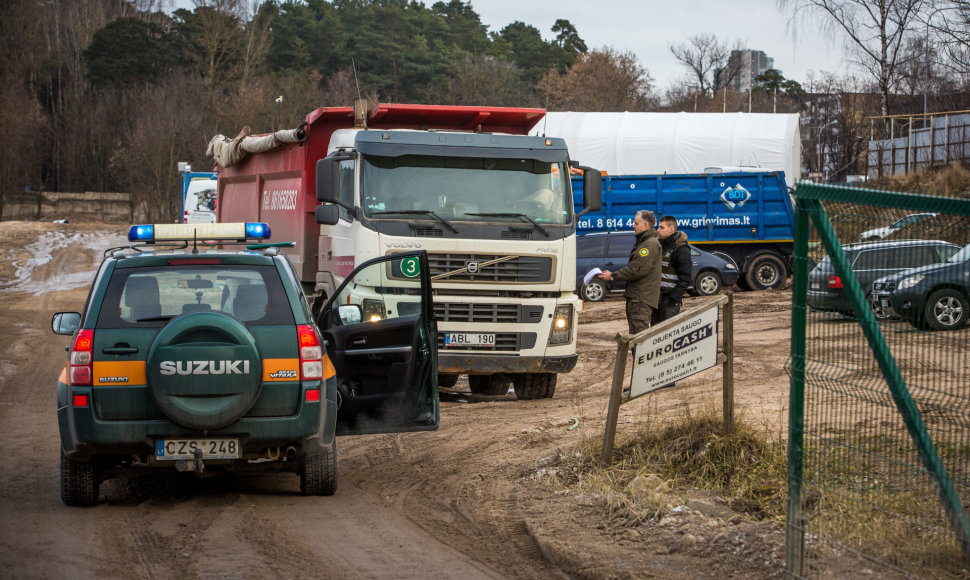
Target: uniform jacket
x,y
675,266
642,274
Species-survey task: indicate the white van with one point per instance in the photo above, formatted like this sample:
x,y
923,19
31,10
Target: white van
x,y
200,202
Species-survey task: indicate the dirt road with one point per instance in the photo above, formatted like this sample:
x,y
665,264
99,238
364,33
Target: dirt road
x,y
469,500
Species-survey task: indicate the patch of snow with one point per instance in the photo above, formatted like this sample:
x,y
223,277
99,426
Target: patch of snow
x,y
41,251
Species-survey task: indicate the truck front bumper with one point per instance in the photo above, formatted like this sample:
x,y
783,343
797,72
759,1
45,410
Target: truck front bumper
x,y
489,364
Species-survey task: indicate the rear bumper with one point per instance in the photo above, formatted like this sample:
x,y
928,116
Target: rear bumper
x,y
490,364
84,435
827,301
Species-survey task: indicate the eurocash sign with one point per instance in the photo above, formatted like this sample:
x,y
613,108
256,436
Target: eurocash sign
x,y
676,353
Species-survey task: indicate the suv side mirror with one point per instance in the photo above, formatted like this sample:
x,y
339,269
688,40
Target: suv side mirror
x,y
592,190
349,313
65,322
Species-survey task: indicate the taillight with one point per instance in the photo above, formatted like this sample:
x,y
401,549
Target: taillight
x,y
835,282
311,352
81,358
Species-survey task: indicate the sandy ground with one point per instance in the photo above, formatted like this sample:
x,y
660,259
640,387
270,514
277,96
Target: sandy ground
x,y
470,499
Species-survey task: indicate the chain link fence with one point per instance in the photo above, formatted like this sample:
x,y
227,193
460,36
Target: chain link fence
x,y
879,448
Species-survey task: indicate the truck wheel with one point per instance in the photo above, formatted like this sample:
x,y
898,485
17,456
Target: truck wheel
x,y
595,291
318,472
79,482
535,386
447,380
707,283
766,271
491,385
946,309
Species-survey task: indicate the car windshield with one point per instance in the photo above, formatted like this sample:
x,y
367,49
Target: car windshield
x,y
465,189
961,256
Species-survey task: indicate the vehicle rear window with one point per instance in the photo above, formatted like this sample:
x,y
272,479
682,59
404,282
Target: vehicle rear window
x,y
874,260
254,295
621,245
914,256
591,247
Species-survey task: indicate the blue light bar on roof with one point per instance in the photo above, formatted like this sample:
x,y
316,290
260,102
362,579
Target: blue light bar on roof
x,y
188,232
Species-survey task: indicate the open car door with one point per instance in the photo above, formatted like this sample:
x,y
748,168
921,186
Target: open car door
x,y
381,336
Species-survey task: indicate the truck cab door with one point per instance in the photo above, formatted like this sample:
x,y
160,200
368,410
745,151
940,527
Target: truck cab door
x,y
381,336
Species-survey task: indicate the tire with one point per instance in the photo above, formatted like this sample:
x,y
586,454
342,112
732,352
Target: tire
x,y
491,385
318,472
707,283
447,380
877,310
765,271
79,482
595,291
530,386
946,309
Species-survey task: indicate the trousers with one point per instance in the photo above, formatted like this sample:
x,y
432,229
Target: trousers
x,y
638,315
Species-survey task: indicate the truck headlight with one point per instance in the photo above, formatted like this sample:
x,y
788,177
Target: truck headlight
x,y
909,282
374,310
562,325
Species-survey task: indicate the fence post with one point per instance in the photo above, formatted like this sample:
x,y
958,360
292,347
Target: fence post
x,y
727,370
616,393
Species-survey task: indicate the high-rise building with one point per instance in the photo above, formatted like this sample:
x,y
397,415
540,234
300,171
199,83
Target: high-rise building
x,y
749,64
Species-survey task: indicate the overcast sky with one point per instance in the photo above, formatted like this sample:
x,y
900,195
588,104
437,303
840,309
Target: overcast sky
x,y
649,27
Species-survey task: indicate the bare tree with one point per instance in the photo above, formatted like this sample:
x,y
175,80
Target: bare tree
x,y
709,61
953,32
876,31
601,80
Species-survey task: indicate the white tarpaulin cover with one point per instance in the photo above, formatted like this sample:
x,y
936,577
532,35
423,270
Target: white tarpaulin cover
x,y
657,143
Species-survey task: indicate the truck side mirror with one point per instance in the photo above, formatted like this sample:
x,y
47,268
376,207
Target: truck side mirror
x,y
327,214
328,185
592,190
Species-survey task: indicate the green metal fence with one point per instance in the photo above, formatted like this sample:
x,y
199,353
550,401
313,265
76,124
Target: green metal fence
x,y
879,433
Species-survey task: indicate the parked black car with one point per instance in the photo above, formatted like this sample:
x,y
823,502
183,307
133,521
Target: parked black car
x,y
611,251
936,296
870,261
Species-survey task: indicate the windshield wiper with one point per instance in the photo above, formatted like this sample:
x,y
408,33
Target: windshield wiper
x,y
417,212
156,318
514,215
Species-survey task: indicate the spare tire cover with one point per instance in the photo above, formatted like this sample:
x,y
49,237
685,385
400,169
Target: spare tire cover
x,y
204,370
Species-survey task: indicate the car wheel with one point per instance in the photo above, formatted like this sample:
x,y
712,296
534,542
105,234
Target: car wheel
x,y
766,271
491,385
535,386
878,311
79,482
447,380
946,309
595,291
707,283
318,472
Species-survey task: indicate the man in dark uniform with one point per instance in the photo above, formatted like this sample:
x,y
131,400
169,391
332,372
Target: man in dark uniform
x,y
675,269
642,274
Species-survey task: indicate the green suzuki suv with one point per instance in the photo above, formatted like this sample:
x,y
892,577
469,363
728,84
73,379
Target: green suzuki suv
x,y
196,352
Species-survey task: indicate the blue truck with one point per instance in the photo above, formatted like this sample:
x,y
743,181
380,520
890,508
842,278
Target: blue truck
x,y
742,216
199,199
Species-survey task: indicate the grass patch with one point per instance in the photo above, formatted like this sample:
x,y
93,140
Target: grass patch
x,y
662,461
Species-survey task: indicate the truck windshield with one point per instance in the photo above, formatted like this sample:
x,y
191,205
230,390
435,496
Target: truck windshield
x,y
465,189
